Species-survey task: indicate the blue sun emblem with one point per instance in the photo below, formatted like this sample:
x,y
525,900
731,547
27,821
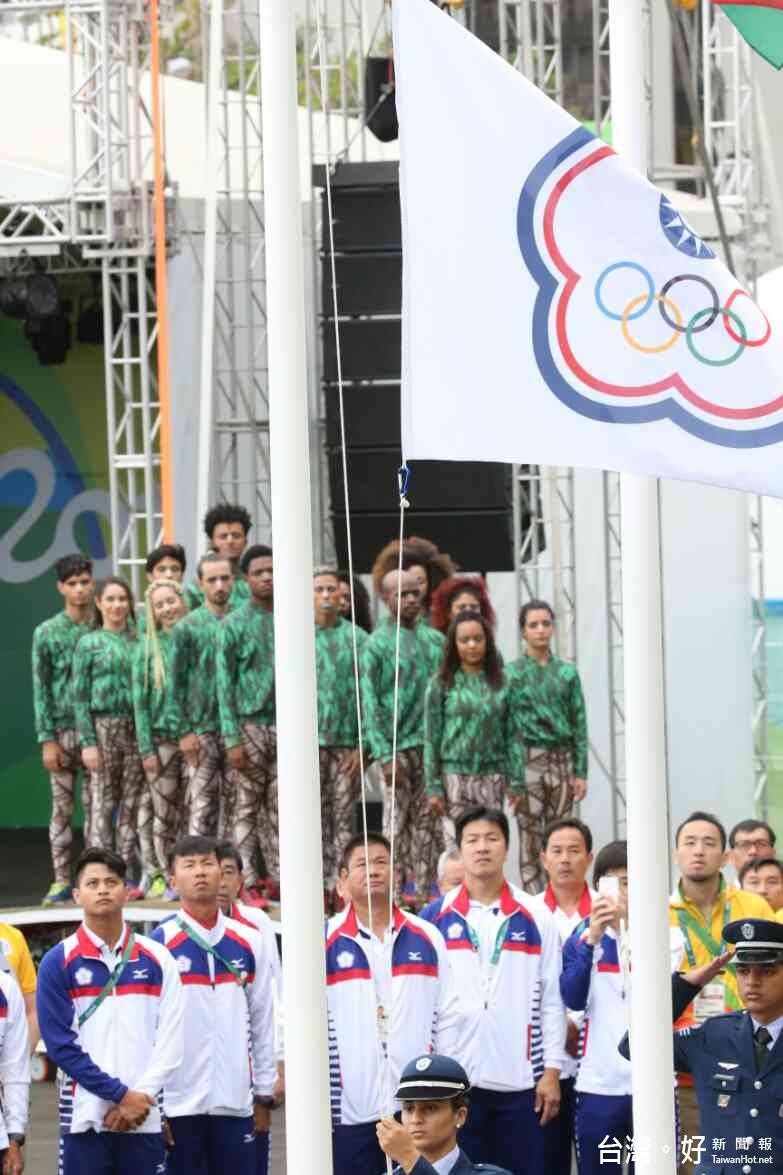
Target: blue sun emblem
x,y
680,234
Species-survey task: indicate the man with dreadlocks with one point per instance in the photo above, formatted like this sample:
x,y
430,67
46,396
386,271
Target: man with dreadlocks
x,y
54,642
158,726
416,829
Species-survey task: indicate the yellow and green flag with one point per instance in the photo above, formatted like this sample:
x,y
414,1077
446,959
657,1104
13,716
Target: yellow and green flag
x,y
760,22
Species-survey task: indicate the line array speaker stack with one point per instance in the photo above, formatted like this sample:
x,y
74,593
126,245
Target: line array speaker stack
x,y
463,507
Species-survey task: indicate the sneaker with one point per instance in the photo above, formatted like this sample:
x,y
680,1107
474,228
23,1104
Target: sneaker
x,y
135,892
157,887
58,892
253,895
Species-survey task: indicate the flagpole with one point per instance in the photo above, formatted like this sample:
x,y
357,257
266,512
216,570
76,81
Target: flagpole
x,y
308,1133
647,816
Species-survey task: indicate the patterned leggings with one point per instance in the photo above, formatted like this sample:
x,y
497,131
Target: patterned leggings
x,y
255,823
208,785
465,791
549,780
417,839
338,799
118,785
63,784
165,794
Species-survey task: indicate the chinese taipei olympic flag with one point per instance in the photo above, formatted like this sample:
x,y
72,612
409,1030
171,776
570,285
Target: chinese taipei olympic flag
x,y
556,308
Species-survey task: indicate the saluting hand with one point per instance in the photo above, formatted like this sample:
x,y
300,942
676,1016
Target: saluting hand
x,y
699,976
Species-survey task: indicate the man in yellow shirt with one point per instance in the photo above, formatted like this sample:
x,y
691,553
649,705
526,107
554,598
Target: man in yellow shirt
x,y
15,959
701,905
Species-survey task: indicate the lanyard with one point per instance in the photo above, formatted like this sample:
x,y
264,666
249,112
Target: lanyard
x,y
492,973
239,976
110,983
688,922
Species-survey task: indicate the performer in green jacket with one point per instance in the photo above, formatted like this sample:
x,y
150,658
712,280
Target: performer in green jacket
x,y
246,691
195,698
103,707
547,740
54,642
416,828
338,720
465,724
158,730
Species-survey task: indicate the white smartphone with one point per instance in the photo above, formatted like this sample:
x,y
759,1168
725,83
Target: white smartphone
x,y
609,887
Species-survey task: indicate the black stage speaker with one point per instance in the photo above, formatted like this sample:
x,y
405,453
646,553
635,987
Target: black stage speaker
x,y
463,507
379,103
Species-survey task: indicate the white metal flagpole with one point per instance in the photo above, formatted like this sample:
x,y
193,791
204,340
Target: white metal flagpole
x,y
308,1133
647,816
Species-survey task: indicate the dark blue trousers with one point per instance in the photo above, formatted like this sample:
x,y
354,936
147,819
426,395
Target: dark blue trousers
x,y
503,1128
110,1153
355,1150
210,1144
262,1153
600,1116
559,1133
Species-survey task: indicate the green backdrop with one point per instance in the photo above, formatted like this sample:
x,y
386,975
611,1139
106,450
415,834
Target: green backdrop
x,y
53,499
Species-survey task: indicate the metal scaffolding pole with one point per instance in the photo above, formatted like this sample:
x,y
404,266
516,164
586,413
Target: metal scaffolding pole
x,y
614,626
238,450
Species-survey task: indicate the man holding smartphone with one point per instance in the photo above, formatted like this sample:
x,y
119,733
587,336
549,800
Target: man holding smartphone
x,y
594,981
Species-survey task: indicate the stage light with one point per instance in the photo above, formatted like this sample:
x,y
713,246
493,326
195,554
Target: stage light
x,y
13,297
47,325
43,296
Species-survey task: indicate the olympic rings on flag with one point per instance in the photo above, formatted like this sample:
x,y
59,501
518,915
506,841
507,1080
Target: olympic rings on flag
x,y
626,265
672,315
627,316
691,277
691,330
738,293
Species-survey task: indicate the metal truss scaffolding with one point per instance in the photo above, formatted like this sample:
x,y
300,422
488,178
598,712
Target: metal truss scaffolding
x,y
731,141
103,222
240,432
530,39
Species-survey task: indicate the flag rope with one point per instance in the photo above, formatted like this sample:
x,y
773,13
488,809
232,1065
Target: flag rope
x,y
384,1093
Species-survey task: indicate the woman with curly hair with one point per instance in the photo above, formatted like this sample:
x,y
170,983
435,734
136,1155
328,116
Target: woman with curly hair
x,y
465,722
462,593
428,566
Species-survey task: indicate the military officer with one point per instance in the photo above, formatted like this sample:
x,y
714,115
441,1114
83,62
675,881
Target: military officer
x,y
433,1090
737,1059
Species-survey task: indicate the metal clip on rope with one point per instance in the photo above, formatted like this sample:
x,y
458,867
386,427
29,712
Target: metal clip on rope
x,y
403,480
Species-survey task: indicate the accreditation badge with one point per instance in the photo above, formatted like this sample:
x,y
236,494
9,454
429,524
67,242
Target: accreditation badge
x,y
382,1017
711,1001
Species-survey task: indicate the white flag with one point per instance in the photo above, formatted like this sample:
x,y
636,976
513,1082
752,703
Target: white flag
x,y
556,308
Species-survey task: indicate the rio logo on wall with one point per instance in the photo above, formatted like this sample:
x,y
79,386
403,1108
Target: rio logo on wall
x,y
53,499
